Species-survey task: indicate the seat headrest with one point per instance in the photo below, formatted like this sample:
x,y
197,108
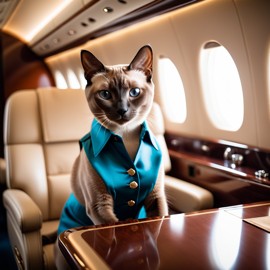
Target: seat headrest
x,y
55,106
33,116
21,120
53,115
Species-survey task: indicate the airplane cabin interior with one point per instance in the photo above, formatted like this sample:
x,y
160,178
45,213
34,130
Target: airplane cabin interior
x,y
210,115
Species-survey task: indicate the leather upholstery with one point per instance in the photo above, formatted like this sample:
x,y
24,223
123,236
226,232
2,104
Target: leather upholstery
x,y
41,133
181,195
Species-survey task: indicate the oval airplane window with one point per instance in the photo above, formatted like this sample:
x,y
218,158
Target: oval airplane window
x,y
83,81
222,89
73,80
172,91
60,80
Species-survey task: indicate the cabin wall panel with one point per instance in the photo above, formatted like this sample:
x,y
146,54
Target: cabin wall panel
x,y
68,61
227,189
161,36
217,21
21,69
181,35
121,47
254,18
71,63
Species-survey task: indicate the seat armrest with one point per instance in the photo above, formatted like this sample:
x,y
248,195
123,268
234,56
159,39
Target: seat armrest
x,y
23,210
185,197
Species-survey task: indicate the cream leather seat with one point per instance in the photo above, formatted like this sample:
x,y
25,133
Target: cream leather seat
x,y
182,196
41,133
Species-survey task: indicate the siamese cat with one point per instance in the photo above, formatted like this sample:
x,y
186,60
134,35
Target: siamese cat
x,y
119,172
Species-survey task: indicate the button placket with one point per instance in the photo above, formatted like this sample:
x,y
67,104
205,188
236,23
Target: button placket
x,y
133,184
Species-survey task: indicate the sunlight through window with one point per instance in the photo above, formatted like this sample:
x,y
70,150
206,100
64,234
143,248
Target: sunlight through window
x,y
60,80
222,89
82,79
73,80
172,91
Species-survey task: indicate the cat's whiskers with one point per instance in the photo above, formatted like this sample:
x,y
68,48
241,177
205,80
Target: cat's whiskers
x,y
102,120
99,128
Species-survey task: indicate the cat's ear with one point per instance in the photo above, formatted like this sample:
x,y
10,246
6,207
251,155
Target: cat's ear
x,y
91,65
143,61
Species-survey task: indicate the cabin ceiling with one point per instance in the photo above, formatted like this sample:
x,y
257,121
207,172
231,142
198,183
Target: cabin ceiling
x,y
51,26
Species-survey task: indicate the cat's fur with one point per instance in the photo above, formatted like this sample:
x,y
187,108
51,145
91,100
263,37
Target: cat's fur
x,y
123,114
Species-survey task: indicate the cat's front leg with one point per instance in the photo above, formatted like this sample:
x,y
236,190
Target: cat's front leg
x,y
156,205
101,209
92,192
156,202
162,203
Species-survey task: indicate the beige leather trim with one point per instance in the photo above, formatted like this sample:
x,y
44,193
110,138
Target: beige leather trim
x,y
185,197
24,211
24,107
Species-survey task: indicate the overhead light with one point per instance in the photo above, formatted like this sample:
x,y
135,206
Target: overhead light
x,y
71,32
108,9
89,20
56,40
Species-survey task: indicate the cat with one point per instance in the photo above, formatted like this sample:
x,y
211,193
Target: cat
x,y
120,98
119,173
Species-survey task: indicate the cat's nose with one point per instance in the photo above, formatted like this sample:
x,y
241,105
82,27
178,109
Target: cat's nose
x,y
121,112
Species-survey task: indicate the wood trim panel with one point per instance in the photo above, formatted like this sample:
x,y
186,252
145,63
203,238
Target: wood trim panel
x,y
20,69
202,162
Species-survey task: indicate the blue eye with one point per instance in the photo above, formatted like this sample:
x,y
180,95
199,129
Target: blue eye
x,y
105,94
134,92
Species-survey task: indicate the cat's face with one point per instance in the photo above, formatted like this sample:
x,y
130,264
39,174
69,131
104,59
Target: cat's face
x,y
119,95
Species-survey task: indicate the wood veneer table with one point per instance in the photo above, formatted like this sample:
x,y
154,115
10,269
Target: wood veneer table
x,y
220,238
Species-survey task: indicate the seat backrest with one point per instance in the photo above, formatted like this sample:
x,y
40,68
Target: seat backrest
x,y
41,132
156,124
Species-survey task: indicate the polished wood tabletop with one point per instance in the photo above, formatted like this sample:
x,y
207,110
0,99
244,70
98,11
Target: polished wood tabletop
x,y
224,238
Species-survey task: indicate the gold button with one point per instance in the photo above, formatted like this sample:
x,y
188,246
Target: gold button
x,y
131,203
133,184
131,172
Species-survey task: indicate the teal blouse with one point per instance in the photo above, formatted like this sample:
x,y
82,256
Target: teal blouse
x,y
129,182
